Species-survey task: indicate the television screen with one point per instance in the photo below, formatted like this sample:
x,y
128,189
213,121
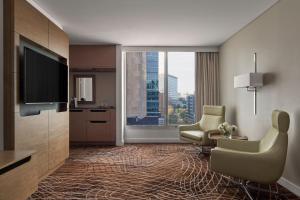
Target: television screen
x,y
44,80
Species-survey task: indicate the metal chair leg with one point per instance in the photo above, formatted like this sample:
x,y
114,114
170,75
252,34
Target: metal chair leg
x,y
202,152
245,186
276,193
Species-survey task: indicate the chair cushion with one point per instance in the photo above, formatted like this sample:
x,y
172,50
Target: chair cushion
x,y
194,135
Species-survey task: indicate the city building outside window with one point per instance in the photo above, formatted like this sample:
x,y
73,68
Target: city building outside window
x,y
146,91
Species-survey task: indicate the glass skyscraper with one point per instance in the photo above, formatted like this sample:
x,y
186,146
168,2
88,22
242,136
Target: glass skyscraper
x,y
173,90
190,99
152,84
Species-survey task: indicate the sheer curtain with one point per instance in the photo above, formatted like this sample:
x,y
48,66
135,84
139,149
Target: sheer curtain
x,y
207,81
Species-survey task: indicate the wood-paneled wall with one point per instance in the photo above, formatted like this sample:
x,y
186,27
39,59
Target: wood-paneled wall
x,y
93,57
48,132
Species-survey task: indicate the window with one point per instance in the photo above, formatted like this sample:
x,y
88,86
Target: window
x,y
146,91
181,87
145,88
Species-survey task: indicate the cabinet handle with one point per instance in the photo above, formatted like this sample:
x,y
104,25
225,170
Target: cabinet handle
x,y
98,110
76,110
15,165
98,122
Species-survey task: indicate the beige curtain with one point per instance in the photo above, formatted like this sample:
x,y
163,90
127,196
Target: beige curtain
x,y
207,81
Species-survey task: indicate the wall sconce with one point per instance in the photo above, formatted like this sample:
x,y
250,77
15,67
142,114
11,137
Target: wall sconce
x,y
251,81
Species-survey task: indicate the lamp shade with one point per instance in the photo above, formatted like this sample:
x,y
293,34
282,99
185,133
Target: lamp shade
x,y
250,80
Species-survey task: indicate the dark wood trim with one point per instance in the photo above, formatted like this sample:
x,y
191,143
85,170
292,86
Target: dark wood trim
x,y
94,87
95,69
9,85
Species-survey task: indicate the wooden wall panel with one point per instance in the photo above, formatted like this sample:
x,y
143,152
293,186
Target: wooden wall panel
x,y
58,41
92,56
16,67
31,23
16,74
58,137
8,78
31,133
58,150
48,132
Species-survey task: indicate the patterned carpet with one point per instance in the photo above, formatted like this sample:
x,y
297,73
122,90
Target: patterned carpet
x,y
156,171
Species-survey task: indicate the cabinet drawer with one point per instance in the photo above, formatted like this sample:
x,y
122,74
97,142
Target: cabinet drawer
x,y
99,131
99,115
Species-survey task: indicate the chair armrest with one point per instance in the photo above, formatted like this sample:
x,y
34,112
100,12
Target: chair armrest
x,y
238,145
257,167
192,127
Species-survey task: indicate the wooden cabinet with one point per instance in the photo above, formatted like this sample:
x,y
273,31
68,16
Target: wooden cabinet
x,y
58,40
92,57
99,115
77,125
18,177
31,133
58,138
92,126
47,133
99,131
31,23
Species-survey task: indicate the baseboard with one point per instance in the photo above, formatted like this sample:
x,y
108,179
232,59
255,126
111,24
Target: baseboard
x,y
290,186
152,140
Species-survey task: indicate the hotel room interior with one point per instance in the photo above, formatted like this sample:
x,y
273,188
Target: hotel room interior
x,y
144,99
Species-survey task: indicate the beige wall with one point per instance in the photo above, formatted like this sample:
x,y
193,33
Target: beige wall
x,y
1,75
275,36
105,87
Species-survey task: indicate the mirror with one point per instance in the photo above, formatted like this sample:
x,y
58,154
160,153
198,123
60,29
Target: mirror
x,y
84,88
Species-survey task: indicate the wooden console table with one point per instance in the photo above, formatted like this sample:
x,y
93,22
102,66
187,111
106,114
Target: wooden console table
x,y
18,177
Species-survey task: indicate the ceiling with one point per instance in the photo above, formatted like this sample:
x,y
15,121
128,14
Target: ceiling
x,y
153,22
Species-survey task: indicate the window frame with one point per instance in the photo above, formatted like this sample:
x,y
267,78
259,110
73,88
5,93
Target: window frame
x,y
165,50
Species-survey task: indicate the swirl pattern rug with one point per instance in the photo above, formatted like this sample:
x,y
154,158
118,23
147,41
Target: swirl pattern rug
x,y
142,172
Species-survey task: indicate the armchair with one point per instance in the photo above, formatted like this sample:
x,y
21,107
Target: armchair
x,y
198,133
256,161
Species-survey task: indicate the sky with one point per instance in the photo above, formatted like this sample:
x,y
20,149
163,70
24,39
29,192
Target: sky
x,y
181,65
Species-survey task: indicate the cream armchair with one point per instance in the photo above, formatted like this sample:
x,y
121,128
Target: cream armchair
x,y
198,133
257,161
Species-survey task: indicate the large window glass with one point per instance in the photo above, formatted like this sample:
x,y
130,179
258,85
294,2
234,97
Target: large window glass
x,y
181,87
145,88
148,86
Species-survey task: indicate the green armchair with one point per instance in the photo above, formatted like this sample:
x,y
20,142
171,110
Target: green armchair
x,y
198,133
256,161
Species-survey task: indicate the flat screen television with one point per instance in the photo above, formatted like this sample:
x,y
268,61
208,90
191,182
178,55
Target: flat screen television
x,y
43,79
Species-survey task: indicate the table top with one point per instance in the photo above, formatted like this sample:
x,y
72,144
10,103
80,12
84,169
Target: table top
x,y
234,137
